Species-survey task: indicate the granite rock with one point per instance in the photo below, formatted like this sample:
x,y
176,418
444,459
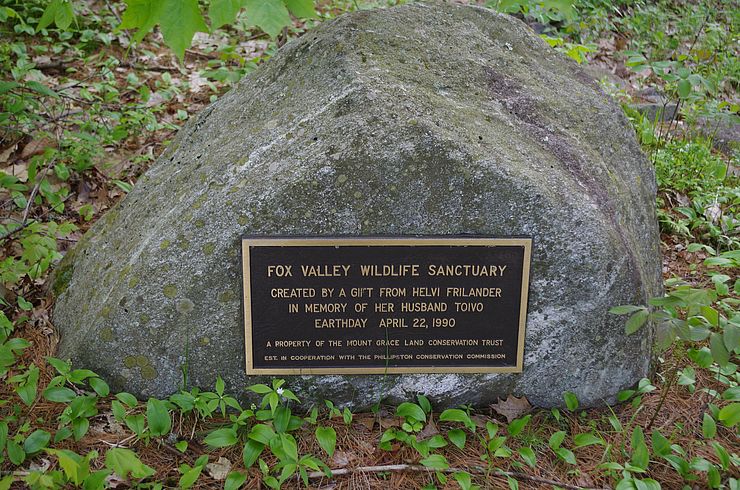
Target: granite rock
x,y
425,119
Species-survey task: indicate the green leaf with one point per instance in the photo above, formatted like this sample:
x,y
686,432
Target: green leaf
x,y
262,433
566,455
235,480
327,438
588,439
260,389
457,415
571,400
190,476
49,15
252,451
128,399
515,427
269,15
684,88
125,462
661,445
636,321
730,414
64,15
59,394
179,21
96,480
708,426
412,411
181,446
100,386
37,441
303,9
15,452
717,347
222,12
75,466
457,437
158,417
463,479
722,455
142,15
221,438
435,462
625,309
136,423
528,455
3,435
556,439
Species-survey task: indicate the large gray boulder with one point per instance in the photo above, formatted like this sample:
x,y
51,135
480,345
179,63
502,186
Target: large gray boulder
x,y
421,119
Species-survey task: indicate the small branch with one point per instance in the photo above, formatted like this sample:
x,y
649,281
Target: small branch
x,y
412,467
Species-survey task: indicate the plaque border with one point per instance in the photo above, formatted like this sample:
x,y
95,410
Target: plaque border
x,y
281,241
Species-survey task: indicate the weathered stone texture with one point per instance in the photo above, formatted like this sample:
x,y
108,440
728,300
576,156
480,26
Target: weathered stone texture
x,y
422,119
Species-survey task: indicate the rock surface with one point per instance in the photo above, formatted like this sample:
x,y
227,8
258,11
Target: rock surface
x,y
421,119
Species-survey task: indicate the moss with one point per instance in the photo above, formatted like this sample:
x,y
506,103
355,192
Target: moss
x,y
63,276
208,248
170,291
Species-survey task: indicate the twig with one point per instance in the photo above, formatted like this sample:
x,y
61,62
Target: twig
x,y
415,467
663,397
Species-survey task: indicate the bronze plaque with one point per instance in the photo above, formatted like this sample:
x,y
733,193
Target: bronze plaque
x,y
385,305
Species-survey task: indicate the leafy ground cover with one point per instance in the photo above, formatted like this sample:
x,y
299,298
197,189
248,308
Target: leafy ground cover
x,y
85,106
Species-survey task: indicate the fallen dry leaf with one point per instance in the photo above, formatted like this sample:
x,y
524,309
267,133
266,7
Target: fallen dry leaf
x,y
429,430
219,469
340,459
37,147
512,408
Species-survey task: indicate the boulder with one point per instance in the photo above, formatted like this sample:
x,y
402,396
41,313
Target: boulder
x,y
416,120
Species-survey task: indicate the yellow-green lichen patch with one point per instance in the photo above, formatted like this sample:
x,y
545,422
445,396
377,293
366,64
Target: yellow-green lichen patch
x,y
208,248
200,223
204,341
146,369
105,312
144,319
124,272
226,296
106,334
133,282
164,244
148,372
242,220
183,242
170,291
200,201
184,306
341,179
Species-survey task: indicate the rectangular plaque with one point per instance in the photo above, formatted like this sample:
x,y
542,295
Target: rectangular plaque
x,y
385,305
